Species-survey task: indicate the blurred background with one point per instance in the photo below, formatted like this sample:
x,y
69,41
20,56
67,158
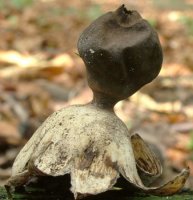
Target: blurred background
x,y
40,72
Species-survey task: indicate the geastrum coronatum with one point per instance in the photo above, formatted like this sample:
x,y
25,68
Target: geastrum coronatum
x,y
122,53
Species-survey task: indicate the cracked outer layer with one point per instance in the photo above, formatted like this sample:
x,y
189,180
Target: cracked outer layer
x,y
92,145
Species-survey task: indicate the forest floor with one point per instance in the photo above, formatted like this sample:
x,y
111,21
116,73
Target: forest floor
x,y
37,194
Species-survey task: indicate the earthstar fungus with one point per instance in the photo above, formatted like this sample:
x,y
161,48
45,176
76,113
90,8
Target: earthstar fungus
x,y
122,53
